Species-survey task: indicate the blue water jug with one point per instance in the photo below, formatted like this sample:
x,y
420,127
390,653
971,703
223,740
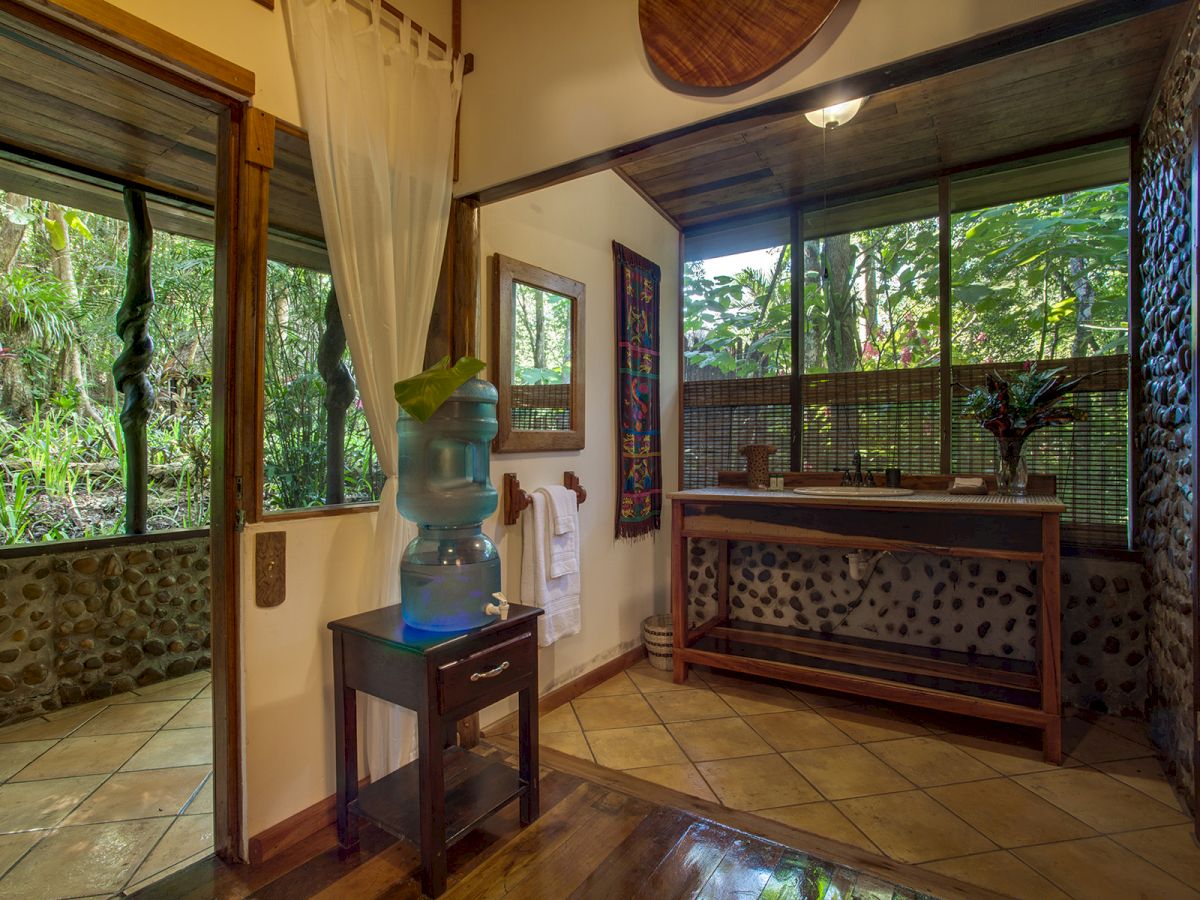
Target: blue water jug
x,y
450,571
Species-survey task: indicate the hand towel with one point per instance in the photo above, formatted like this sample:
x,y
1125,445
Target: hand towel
x,y
559,597
562,547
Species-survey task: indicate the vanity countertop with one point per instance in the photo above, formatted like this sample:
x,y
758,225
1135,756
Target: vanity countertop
x,y
930,500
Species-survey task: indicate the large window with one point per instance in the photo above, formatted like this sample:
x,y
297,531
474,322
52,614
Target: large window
x,y
62,449
1039,275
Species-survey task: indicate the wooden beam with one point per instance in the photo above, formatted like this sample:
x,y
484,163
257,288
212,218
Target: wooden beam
x,y
240,263
795,383
945,312
125,31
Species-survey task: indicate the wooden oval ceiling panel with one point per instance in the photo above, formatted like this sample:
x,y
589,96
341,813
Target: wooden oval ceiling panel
x,y
727,44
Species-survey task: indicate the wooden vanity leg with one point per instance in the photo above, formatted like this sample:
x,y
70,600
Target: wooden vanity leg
x,y
1050,641
679,622
433,803
528,750
345,715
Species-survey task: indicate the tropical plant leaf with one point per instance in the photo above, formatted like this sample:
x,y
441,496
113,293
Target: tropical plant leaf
x,y
421,395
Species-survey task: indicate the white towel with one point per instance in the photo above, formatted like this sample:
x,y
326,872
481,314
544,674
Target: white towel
x,y
562,548
559,597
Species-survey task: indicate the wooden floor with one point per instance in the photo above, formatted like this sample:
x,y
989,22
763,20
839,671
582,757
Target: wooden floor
x,y
593,840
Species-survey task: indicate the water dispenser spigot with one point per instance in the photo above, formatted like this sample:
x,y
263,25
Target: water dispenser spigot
x,y
500,609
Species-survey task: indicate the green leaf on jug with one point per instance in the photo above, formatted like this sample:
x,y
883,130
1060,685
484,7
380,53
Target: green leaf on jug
x,y
421,395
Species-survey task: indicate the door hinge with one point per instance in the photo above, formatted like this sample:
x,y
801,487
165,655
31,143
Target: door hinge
x,y
239,517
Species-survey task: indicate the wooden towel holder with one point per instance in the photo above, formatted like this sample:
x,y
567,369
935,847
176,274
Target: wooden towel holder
x,y
516,499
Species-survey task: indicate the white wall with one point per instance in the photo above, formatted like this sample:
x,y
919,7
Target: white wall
x,y
569,229
557,81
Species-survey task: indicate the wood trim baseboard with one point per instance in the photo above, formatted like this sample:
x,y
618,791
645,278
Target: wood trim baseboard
x,y
910,876
274,840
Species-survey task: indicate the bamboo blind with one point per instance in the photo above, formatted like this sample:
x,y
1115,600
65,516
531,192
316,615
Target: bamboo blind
x,y
893,418
541,407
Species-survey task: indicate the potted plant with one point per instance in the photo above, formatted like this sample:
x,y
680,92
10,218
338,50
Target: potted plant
x,y
1013,409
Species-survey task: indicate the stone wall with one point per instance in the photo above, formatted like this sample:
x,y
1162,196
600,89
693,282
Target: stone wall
x,y
1164,427
975,606
88,624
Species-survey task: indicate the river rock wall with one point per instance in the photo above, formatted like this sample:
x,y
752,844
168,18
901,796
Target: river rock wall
x,y
88,624
1164,423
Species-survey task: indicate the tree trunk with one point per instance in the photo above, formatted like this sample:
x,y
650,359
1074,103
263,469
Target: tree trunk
x,y
63,265
1085,304
15,393
539,329
841,341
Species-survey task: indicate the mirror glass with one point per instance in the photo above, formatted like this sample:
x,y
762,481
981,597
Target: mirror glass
x,y
541,351
536,322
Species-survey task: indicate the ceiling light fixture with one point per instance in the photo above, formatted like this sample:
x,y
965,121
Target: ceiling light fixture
x,y
838,114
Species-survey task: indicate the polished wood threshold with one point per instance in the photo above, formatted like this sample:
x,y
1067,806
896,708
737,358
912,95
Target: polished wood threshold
x,y
602,834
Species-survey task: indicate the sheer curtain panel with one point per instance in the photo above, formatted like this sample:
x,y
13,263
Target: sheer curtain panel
x,y
380,113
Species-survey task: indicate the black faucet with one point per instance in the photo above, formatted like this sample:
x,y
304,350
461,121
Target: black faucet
x,y
857,479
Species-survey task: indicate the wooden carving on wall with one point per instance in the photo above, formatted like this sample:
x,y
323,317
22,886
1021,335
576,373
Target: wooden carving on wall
x,y
729,44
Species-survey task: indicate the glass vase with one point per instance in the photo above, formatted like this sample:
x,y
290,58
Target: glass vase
x,y
1011,472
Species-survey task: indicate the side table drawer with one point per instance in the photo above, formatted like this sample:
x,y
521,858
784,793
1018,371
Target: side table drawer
x,y
481,673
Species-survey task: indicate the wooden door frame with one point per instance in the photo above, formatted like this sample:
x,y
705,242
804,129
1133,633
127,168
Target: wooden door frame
x,y
245,148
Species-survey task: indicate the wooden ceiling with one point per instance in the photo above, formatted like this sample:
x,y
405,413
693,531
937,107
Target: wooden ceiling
x,y
1094,85
76,125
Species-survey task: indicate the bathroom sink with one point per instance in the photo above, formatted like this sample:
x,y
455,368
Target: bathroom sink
x,y
848,491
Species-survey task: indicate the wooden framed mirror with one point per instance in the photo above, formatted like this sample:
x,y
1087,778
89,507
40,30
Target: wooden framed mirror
x,y
537,349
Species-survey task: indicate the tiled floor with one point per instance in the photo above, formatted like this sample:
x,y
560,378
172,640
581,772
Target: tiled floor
x,y
100,799
961,797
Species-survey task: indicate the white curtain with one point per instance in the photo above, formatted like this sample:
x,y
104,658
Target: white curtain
x,y
380,117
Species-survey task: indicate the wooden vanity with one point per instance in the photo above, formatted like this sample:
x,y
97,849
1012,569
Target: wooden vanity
x,y
1022,529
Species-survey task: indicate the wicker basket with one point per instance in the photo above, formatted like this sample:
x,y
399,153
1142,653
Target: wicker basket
x,y
658,635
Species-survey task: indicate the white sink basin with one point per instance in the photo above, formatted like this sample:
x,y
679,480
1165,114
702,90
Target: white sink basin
x,y
848,491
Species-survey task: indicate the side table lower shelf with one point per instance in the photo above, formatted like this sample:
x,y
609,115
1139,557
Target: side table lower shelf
x,y
475,788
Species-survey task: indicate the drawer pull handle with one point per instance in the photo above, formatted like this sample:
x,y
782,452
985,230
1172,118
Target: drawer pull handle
x,y
490,673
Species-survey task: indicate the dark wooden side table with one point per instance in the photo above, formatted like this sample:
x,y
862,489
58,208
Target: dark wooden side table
x,y
446,791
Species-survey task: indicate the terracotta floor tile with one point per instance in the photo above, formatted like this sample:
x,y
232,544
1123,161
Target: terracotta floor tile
x,y
821,818
207,692
203,802
101,754
134,885
560,719
1091,744
649,679
140,795
1001,872
1006,758
183,747
682,777
1009,814
717,739
1101,868
175,689
1131,729
618,684
1104,803
196,714
42,804
1146,775
797,730
129,717
83,860
187,837
43,729
572,742
758,699
867,723
927,761
911,827
17,755
688,706
621,711
756,782
841,772
14,846
634,748
1172,849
